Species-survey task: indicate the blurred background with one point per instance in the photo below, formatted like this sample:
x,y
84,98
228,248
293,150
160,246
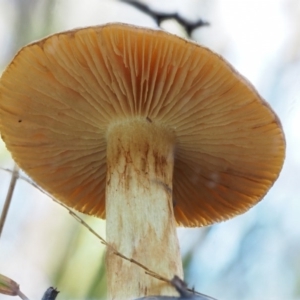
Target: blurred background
x,y
254,256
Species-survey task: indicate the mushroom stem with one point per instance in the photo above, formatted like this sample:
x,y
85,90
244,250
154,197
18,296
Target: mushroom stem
x,y
139,210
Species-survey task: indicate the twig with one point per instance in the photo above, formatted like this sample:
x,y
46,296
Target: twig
x,y
184,293
159,17
78,219
103,241
22,296
14,177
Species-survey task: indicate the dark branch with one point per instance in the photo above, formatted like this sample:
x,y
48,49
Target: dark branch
x,y
159,17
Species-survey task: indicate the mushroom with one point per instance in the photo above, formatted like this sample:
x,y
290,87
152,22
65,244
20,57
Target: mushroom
x,y
145,129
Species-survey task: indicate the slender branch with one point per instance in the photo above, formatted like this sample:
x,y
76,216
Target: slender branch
x,y
159,17
183,291
22,296
103,241
14,177
78,219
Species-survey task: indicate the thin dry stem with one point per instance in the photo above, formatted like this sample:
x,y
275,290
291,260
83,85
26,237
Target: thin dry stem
x,y
78,219
11,188
22,296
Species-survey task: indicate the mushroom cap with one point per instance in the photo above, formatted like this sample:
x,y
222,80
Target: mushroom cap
x,y
59,94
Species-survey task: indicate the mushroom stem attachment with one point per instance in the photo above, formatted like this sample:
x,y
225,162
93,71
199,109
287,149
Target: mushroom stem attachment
x,y
139,210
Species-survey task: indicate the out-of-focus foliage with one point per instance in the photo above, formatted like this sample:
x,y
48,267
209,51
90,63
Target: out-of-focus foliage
x,y
252,257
